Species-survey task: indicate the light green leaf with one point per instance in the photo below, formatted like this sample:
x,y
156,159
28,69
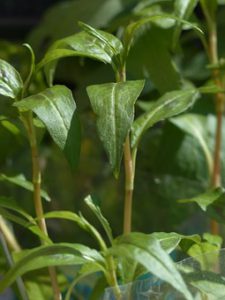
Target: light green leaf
x,y
44,256
79,220
21,181
113,104
196,125
148,252
169,105
56,108
96,210
11,127
11,83
170,241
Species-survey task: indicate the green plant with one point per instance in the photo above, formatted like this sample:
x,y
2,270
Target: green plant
x,y
120,132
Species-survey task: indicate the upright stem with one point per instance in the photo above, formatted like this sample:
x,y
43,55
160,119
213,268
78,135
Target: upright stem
x,y
129,172
36,179
219,105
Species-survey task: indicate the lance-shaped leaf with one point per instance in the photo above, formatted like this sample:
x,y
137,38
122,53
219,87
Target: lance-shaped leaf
x,y
11,83
197,126
21,181
113,104
56,108
150,254
92,43
52,255
169,105
212,202
183,10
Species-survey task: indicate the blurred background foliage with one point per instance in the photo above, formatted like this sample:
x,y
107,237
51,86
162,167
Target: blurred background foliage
x,y
171,164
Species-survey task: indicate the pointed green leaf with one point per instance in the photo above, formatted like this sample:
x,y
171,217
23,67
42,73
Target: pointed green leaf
x,y
196,125
21,181
56,108
150,254
206,199
183,10
11,83
44,256
95,44
96,210
113,104
170,241
169,105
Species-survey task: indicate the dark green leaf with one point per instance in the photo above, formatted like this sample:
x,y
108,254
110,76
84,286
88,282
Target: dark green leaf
x,y
21,181
196,125
113,104
56,108
11,83
169,105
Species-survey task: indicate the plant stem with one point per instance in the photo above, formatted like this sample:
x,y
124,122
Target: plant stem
x,y
36,179
219,105
129,172
9,236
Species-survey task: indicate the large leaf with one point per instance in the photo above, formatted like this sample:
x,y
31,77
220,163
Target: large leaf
x,y
53,255
113,104
56,108
21,181
169,105
150,254
93,43
11,83
153,51
196,125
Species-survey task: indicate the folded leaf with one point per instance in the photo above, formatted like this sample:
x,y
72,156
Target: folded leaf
x,y
113,104
11,83
56,108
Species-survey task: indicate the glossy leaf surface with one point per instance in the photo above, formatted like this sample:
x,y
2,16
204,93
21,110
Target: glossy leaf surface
x,y
169,105
11,83
113,104
56,108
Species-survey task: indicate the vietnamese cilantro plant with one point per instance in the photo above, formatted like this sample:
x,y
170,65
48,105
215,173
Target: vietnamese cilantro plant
x,y
119,260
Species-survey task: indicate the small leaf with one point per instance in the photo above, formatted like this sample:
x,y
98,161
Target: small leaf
x,y
170,241
149,253
56,108
169,105
21,181
11,83
96,210
113,104
208,198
